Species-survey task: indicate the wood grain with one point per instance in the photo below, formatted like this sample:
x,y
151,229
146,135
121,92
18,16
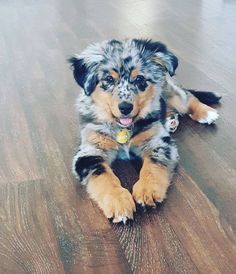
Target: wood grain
x,y
28,243
47,222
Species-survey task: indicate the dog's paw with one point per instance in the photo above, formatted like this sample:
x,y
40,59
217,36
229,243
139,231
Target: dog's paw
x,y
147,194
118,205
210,118
205,115
172,122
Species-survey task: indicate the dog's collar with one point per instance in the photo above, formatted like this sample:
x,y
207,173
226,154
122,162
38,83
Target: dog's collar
x,y
123,135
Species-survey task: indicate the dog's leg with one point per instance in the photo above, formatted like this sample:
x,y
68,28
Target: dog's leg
x,y
185,103
152,184
156,174
200,112
104,187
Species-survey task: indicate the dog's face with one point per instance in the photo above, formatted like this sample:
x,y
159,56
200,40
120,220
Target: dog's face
x,y
123,78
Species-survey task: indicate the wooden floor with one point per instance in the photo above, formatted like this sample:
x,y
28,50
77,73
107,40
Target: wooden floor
x,y
47,222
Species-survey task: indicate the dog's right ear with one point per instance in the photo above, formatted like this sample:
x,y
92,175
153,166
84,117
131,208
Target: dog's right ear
x,y
161,54
83,74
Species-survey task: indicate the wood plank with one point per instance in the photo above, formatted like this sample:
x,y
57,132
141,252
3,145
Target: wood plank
x,y
17,156
27,241
207,237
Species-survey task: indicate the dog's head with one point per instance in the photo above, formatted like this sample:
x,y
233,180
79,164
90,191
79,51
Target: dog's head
x,y
123,78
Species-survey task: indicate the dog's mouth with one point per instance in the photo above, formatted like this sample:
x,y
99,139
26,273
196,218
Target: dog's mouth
x,y
125,121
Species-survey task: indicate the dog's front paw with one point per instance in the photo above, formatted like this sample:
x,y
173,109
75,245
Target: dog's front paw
x,y
146,193
118,204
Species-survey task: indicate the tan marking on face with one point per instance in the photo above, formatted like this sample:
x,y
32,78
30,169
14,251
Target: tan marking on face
x,y
142,101
152,184
106,104
197,109
112,198
134,73
102,141
143,136
114,74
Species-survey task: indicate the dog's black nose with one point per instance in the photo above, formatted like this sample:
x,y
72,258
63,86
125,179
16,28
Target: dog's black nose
x,y
125,108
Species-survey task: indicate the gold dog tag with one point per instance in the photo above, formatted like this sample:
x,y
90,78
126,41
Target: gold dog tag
x,y
122,136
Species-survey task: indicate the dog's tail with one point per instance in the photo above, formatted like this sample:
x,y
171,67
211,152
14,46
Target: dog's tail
x,y
206,97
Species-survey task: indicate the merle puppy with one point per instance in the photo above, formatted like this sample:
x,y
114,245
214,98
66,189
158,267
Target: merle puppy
x,y
126,87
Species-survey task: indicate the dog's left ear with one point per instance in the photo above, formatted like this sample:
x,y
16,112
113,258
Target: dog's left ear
x,y
84,74
159,52
168,60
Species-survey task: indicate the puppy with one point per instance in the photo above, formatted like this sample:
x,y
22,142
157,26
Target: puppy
x,y
126,88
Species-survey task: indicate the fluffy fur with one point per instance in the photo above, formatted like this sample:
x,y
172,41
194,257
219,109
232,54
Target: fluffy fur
x,y
129,85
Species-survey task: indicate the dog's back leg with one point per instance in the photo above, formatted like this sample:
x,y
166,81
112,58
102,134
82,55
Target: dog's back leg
x,y
187,102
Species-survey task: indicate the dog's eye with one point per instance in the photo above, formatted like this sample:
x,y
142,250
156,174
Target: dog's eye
x,y
139,79
141,83
109,79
